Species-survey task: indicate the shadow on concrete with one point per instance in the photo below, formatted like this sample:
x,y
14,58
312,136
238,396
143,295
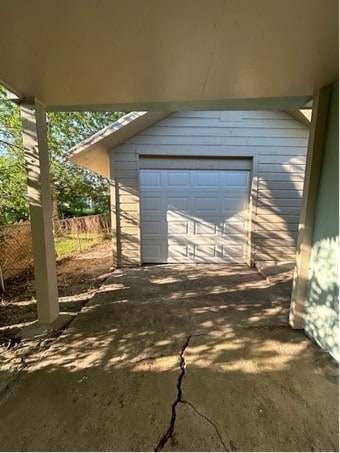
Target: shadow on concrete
x,y
109,382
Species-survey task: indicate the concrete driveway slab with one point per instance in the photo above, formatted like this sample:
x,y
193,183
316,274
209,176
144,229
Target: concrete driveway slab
x,y
177,358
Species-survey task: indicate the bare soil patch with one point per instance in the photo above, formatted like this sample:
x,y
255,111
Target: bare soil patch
x,y
78,275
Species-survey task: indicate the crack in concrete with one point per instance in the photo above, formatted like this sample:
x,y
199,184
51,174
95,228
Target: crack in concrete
x,y
208,420
164,439
179,399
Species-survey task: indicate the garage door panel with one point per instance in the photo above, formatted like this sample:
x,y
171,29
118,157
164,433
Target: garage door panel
x,y
178,252
204,228
205,253
178,203
232,250
232,240
151,204
206,180
233,227
194,216
204,205
178,179
232,219
151,253
236,205
150,179
151,228
178,227
234,193
236,179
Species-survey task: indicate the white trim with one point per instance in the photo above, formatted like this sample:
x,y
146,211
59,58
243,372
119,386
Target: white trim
x,y
194,163
309,200
106,131
93,153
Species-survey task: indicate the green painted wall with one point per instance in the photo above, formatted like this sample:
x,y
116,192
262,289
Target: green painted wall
x,y
322,309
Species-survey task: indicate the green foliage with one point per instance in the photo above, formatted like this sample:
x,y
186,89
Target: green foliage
x,y
77,191
74,185
13,200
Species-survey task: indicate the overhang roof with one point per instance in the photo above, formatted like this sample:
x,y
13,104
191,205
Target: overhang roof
x,y
93,152
168,55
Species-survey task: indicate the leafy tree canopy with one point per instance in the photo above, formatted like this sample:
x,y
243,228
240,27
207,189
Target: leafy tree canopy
x,y
77,191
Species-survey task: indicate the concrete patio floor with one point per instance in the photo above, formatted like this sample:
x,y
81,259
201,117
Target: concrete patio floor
x,y
177,358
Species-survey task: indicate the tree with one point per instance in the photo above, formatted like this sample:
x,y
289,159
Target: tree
x,y
75,191
13,198
13,202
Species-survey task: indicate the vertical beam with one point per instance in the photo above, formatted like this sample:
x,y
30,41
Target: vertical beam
x,y
309,200
114,229
114,207
33,117
252,210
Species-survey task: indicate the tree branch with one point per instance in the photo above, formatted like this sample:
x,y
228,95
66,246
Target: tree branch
x,y
12,145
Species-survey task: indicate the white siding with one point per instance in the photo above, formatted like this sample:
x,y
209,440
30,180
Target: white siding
x,y
124,173
276,142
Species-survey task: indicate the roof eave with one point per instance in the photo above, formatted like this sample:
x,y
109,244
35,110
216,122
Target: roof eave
x,y
93,152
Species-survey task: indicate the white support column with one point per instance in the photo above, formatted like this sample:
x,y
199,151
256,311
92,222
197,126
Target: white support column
x,y
309,200
114,229
39,195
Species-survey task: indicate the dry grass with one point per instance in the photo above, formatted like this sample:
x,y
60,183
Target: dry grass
x,y
74,235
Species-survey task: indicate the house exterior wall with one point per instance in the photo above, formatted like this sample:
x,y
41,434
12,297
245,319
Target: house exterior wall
x,y
274,141
322,306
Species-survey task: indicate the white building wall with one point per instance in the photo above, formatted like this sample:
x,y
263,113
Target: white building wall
x,y
275,141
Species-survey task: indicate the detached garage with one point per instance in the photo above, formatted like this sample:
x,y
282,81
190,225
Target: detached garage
x,y
203,186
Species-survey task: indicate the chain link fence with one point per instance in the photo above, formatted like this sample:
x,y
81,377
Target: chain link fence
x,y
15,249
71,236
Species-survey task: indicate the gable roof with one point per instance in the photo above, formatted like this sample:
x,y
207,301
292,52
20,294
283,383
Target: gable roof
x,y
93,152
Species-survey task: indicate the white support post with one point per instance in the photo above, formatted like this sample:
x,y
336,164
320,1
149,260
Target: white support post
x,y
309,200
33,117
114,229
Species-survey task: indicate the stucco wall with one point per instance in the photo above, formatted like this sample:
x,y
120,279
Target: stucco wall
x,y
322,308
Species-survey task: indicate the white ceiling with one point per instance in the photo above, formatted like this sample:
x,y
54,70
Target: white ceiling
x,y
137,54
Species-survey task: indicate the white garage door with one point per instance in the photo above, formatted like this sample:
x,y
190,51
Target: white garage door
x,y
194,215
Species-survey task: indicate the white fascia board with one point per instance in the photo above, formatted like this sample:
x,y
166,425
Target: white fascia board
x,y
301,116
93,152
105,132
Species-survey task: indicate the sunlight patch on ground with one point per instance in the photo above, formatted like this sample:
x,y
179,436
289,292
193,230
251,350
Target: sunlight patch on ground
x,y
164,281
265,312
246,356
160,364
77,297
19,325
112,287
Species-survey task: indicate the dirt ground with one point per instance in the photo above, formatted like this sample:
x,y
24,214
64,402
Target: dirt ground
x,y
79,275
